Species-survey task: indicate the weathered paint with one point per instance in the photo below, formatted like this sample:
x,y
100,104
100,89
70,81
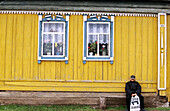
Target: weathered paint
x,y
135,53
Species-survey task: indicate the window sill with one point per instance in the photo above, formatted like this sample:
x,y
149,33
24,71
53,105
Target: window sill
x,y
53,59
98,59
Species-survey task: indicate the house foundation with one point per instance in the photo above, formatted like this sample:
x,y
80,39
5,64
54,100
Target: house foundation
x,y
96,100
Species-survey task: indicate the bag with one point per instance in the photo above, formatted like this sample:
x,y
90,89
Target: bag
x,y
135,103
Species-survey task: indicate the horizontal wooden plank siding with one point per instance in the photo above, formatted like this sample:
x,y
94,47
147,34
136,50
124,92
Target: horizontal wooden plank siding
x,y
135,53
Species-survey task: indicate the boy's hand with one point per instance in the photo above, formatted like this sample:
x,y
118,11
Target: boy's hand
x,y
134,94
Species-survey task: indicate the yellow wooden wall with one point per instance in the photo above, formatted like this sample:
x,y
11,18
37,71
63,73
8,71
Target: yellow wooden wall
x,y
135,53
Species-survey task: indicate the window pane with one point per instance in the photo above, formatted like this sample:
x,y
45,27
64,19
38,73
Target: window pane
x,y
47,44
98,28
92,28
104,44
53,27
58,44
92,45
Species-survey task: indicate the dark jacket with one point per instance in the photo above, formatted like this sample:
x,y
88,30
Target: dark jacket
x,y
132,87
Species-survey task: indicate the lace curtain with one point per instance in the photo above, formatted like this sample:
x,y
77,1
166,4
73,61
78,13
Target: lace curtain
x,y
101,29
53,35
98,39
54,27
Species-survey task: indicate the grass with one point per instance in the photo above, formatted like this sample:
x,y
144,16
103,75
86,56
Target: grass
x,y
116,108
45,108
161,108
62,108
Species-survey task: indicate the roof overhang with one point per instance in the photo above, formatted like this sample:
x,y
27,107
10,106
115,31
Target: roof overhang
x,y
153,6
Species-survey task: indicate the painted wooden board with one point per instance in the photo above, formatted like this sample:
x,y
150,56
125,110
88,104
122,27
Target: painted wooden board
x,y
135,44
2,44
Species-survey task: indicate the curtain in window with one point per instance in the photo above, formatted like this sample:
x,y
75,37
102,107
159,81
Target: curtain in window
x,y
53,27
53,39
98,39
101,29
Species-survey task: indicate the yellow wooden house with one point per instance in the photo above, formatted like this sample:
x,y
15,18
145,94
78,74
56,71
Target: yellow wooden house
x,y
93,47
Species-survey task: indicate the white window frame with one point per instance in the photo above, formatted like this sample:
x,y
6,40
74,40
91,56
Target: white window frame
x,y
98,38
53,34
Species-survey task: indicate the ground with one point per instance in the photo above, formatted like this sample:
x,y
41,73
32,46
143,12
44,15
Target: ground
x,y
64,108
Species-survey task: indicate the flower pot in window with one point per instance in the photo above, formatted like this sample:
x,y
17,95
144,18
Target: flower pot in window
x,y
104,53
57,53
92,48
48,48
58,50
48,53
90,53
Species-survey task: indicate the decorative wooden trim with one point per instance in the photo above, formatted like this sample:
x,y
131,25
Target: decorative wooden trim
x,y
100,19
77,13
53,19
162,51
67,34
84,27
39,40
112,57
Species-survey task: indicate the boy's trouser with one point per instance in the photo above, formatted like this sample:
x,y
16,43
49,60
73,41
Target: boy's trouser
x,y
141,102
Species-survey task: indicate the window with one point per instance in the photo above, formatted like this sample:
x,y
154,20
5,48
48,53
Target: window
x,y
53,38
98,38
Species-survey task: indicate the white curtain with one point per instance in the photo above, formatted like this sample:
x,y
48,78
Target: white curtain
x,y
54,33
53,27
101,29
